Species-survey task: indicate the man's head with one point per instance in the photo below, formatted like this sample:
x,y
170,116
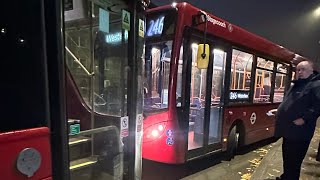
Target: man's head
x,y
304,69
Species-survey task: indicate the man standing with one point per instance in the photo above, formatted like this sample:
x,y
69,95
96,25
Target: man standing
x,y
296,119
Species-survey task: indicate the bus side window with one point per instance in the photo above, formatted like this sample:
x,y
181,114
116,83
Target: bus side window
x,y
262,88
280,82
240,76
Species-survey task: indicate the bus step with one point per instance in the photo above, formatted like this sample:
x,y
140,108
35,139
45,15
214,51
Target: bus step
x,y
83,169
78,140
88,162
79,147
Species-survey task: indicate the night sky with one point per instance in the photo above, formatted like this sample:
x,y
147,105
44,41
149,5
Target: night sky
x,y
290,23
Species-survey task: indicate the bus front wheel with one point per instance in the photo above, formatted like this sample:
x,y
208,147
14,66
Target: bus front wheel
x,y
233,141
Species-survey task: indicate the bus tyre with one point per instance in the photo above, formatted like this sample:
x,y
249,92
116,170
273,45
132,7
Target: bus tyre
x,y
233,141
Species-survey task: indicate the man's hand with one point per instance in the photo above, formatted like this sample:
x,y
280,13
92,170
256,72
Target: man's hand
x,y
298,122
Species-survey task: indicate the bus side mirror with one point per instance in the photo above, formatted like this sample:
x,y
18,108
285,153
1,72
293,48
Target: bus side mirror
x,y
203,56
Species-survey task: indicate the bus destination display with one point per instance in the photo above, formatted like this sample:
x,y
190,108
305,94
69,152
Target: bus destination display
x,y
155,26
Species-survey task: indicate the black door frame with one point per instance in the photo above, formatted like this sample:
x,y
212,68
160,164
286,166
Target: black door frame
x,y
214,42
54,25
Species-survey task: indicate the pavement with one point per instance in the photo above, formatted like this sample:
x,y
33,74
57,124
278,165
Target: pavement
x,y
270,166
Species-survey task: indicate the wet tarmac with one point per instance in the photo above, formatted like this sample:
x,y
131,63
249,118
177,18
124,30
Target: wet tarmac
x,y
212,167
271,166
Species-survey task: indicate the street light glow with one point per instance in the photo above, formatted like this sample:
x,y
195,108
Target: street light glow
x,y
316,12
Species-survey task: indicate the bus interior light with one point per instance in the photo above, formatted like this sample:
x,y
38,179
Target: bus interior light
x,y
194,45
218,51
154,50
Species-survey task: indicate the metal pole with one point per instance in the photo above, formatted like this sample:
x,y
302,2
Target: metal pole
x,y
54,21
132,92
92,124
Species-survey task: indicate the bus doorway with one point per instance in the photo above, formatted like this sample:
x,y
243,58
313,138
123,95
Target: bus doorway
x,y
104,42
205,95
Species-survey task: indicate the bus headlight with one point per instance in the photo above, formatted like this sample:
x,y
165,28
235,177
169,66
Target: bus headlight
x,y
153,132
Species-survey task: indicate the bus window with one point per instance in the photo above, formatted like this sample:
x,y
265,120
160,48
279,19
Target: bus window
x,y
197,102
157,70
198,79
280,82
218,75
240,76
262,87
110,60
108,38
78,61
24,99
216,92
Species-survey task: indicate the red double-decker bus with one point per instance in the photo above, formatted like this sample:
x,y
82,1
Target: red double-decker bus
x,y
210,86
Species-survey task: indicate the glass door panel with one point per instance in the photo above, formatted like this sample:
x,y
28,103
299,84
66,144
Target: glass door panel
x,y
197,102
215,122
96,44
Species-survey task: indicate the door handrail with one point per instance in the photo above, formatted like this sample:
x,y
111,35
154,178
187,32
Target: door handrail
x,y
79,63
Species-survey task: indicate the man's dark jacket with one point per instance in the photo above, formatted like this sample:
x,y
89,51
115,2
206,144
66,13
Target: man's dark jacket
x,y
301,101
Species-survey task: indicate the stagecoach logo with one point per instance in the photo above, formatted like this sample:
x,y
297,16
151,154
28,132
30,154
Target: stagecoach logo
x,y
253,118
215,21
29,161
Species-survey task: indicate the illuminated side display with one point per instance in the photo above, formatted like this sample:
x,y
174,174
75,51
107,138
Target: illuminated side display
x,y
116,37
155,26
236,95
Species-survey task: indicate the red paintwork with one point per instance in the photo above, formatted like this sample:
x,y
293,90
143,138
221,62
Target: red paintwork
x,y
12,143
236,36
78,109
157,150
254,132
49,178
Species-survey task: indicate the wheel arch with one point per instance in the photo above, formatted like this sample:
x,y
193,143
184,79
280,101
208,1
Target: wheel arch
x,y
240,128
